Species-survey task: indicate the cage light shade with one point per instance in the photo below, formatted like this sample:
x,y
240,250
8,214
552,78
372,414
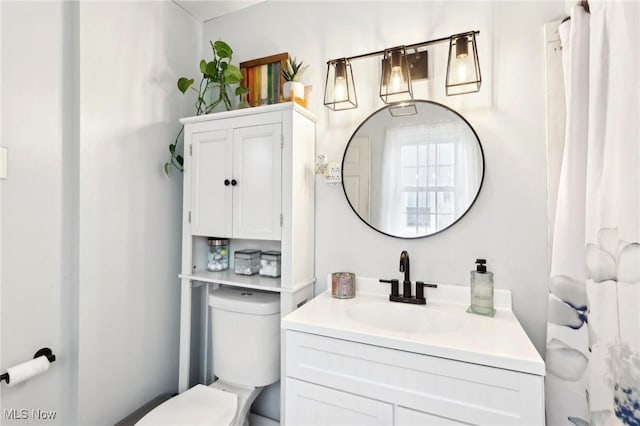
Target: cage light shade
x,y
340,90
403,108
395,83
463,68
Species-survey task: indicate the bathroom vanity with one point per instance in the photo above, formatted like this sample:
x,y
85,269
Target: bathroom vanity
x,y
366,361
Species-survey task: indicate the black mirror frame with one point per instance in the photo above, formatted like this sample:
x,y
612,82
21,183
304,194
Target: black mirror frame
x,y
452,223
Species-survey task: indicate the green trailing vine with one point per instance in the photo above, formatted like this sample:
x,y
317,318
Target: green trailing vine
x,y
220,73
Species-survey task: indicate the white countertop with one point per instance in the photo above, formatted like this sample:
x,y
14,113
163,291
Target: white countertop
x,y
497,341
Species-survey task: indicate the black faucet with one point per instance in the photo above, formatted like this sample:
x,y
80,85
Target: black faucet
x,y
404,267
406,285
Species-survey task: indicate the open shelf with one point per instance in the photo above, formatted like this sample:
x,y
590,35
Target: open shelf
x,y
257,282
228,277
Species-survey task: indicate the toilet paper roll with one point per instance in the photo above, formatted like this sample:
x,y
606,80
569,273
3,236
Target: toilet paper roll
x,y
21,372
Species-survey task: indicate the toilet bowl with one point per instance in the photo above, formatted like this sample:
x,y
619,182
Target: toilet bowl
x,y
216,404
245,328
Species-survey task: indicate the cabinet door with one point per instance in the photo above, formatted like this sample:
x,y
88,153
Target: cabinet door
x,y
257,169
211,199
309,404
356,175
409,417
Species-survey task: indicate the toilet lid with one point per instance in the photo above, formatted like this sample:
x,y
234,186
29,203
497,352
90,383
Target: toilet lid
x,y
200,405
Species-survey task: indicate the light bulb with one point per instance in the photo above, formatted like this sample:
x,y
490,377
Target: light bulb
x,y
462,71
462,55
396,78
340,89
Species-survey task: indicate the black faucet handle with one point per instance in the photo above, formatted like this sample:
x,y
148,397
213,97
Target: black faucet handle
x,y
420,288
394,286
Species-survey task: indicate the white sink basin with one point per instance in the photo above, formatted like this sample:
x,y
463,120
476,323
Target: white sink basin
x,y
393,316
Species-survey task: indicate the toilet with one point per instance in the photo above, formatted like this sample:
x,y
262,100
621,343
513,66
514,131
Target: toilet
x,y
245,327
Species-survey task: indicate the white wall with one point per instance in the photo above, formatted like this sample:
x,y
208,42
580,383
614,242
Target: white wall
x,y
131,55
32,210
90,223
507,225
2,147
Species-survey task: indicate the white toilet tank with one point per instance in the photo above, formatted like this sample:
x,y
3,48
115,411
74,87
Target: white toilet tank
x,y
245,327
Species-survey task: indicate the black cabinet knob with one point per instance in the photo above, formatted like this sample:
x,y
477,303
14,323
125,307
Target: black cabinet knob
x,y
234,182
226,182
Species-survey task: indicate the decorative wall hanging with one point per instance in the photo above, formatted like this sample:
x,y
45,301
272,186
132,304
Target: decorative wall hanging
x,y
263,78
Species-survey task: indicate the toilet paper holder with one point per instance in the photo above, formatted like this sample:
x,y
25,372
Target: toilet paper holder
x,y
41,352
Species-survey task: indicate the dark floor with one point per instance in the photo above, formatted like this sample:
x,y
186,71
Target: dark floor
x,y
134,417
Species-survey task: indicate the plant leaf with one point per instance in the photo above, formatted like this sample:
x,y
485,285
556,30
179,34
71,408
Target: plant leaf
x,y
232,74
172,148
166,168
240,90
203,66
180,160
222,49
302,69
211,69
184,83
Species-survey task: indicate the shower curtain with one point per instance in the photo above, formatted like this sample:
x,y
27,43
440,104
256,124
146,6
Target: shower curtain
x,y
593,330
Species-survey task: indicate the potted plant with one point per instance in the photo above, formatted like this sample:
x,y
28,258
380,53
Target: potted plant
x,y
291,75
217,75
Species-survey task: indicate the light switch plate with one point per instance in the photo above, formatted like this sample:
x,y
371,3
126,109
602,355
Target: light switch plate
x,y
321,164
4,173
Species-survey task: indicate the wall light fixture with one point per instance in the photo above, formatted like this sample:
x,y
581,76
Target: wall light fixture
x,y
463,69
400,67
395,80
340,90
395,83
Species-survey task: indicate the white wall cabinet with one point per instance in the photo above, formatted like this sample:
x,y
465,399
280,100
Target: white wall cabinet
x,y
236,181
249,177
334,381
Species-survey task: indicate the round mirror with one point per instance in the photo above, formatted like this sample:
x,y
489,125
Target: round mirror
x,y
412,176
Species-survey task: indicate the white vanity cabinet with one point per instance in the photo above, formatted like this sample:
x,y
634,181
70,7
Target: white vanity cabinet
x,y
369,361
334,382
248,177
311,404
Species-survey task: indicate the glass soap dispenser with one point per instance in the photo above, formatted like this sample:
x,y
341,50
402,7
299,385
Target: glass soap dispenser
x,y
481,290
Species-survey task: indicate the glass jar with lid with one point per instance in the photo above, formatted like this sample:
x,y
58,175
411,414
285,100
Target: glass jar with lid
x,y
218,257
270,263
246,262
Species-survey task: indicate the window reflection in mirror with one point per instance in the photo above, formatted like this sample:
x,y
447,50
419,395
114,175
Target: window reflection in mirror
x,y
413,176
